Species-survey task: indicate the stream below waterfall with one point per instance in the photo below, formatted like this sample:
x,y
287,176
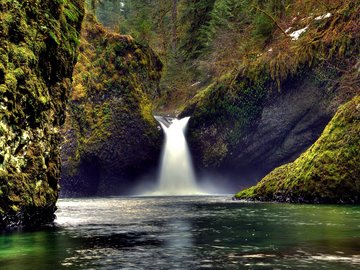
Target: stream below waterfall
x,y
194,232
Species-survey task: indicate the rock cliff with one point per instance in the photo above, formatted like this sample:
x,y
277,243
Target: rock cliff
x,y
328,172
38,51
278,101
110,134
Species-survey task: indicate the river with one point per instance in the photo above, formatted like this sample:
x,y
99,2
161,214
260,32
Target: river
x,y
198,232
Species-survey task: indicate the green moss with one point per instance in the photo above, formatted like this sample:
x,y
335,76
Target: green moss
x,y
3,88
327,172
43,100
111,104
10,81
222,114
22,55
35,71
15,208
19,73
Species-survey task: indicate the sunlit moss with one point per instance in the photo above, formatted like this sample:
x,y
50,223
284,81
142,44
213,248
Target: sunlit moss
x,y
113,84
34,76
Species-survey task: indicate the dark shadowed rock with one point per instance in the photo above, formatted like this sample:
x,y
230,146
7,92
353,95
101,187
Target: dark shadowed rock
x,y
289,123
328,172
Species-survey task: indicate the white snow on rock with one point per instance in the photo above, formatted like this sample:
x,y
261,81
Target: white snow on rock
x,y
327,15
195,84
296,34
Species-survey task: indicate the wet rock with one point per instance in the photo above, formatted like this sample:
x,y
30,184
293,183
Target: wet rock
x,y
249,129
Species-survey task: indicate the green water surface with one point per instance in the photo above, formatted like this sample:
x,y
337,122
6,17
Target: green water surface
x,y
205,232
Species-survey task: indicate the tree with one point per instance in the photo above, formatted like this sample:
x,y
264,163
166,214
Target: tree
x,y
195,16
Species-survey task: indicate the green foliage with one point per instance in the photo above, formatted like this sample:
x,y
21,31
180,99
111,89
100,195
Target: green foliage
x,y
226,14
54,37
263,27
194,39
71,11
234,16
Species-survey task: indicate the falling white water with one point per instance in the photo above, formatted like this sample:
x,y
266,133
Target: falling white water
x,y
177,173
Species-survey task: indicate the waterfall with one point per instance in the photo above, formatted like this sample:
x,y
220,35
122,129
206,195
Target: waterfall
x,y
176,173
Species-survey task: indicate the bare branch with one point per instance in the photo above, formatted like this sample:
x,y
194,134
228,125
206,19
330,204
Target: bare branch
x,y
271,17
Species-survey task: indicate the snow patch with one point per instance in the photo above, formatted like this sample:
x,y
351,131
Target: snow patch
x,y
296,34
327,15
195,84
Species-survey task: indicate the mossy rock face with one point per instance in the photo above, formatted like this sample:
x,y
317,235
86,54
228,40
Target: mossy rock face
x,y
328,172
280,94
38,51
110,134
221,115
246,127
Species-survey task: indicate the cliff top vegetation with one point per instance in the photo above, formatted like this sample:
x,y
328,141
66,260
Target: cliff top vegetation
x,y
202,41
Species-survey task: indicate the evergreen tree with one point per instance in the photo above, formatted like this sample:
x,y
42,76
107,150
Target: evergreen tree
x,y
194,18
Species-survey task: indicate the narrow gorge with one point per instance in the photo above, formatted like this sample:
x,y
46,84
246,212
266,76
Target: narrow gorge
x,y
183,134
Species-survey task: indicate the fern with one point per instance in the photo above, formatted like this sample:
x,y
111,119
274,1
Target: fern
x,y
54,37
71,11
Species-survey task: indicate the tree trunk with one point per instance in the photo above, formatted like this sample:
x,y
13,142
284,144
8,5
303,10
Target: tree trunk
x,y
174,26
283,9
93,5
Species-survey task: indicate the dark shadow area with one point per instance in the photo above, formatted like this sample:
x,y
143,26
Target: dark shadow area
x,y
87,184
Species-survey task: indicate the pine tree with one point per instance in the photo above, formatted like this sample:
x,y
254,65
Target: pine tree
x,y
198,13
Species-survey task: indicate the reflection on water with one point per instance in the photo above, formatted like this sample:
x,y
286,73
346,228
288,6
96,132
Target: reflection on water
x,y
188,233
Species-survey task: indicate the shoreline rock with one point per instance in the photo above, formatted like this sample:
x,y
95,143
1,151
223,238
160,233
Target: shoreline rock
x,y
328,172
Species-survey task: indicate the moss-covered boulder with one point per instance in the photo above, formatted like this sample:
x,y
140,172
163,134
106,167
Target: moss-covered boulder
x,y
328,172
110,134
38,50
